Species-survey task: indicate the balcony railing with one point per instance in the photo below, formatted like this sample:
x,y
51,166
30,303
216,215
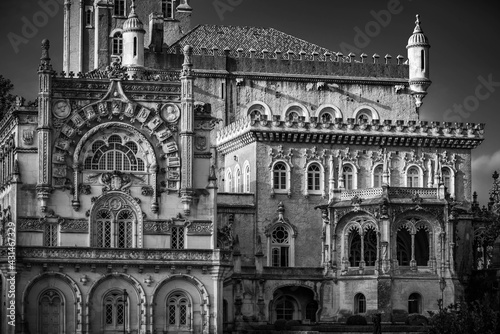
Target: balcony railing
x,y
392,192
129,255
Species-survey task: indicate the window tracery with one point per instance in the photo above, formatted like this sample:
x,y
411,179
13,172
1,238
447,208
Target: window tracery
x,y
115,224
115,311
117,44
414,243
179,313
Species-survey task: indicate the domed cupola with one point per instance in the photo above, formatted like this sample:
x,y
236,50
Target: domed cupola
x,y
133,41
418,60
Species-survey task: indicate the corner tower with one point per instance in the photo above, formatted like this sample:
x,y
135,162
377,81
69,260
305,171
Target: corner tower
x,y
418,59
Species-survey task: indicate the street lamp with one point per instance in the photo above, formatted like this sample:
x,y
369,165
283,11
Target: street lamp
x,y
442,286
125,296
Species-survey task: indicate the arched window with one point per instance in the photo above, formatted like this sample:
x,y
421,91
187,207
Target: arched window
x,y
446,174
280,247
403,248
354,248
415,303
413,177
378,176
238,185
167,8
359,303
284,308
422,247
119,8
363,248
314,177
246,179
89,17
115,309
178,312
365,114
117,47
280,176
114,229
348,175
255,113
229,182
51,312
114,156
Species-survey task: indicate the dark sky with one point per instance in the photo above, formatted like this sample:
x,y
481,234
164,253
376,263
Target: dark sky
x,y
463,37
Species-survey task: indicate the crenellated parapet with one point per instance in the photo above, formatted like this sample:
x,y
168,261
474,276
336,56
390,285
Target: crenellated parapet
x,y
376,133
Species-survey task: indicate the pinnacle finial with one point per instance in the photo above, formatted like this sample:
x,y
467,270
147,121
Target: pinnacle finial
x,y
132,9
417,24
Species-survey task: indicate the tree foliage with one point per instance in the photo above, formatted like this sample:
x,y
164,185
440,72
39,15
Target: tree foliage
x,y
6,98
481,317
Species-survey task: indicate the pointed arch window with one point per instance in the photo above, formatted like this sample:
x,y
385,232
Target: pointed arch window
x,y
415,303
115,311
238,185
51,312
359,303
119,8
362,247
246,179
179,313
280,246
229,182
117,47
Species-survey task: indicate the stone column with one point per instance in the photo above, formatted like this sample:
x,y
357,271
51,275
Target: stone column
x,y
44,129
187,130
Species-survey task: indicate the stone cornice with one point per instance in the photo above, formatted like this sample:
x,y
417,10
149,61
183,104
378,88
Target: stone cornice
x,y
299,77
379,133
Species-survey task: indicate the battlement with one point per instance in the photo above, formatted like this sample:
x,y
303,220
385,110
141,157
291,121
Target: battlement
x,y
286,63
376,133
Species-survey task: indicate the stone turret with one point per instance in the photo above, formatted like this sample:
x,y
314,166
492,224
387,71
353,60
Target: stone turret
x,y
418,59
133,42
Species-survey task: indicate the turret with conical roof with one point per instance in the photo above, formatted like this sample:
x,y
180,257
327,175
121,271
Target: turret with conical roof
x,y
133,40
418,59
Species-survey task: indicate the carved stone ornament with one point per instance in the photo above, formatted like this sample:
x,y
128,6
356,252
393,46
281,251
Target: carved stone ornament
x,y
201,143
170,112
61,109
280,155
116,181
115,70
28,137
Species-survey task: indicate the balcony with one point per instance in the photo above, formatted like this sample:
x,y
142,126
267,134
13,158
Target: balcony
x,y
125,256
392,192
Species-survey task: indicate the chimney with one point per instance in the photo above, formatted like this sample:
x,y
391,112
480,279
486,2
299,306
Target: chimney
x,y
179,25
156,32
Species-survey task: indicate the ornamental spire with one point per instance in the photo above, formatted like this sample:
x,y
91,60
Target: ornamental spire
x,y
417,25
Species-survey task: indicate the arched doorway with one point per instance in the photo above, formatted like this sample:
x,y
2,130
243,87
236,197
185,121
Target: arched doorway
x,y
294,303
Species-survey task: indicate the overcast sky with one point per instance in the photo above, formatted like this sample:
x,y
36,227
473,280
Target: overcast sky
x,y
463,58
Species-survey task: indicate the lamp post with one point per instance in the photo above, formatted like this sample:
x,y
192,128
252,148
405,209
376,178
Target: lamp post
x,y
442,286
125,296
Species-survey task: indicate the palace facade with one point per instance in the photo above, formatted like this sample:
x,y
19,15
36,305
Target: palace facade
x,y
198,180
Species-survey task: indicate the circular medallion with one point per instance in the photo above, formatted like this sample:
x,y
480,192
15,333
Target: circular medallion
x,y
61,109
115,204
170,112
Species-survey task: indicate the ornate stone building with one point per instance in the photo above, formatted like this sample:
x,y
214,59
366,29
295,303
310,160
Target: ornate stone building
x,y
177,180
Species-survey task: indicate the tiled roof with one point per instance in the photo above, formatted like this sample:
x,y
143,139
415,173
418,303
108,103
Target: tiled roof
x,y
246,38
